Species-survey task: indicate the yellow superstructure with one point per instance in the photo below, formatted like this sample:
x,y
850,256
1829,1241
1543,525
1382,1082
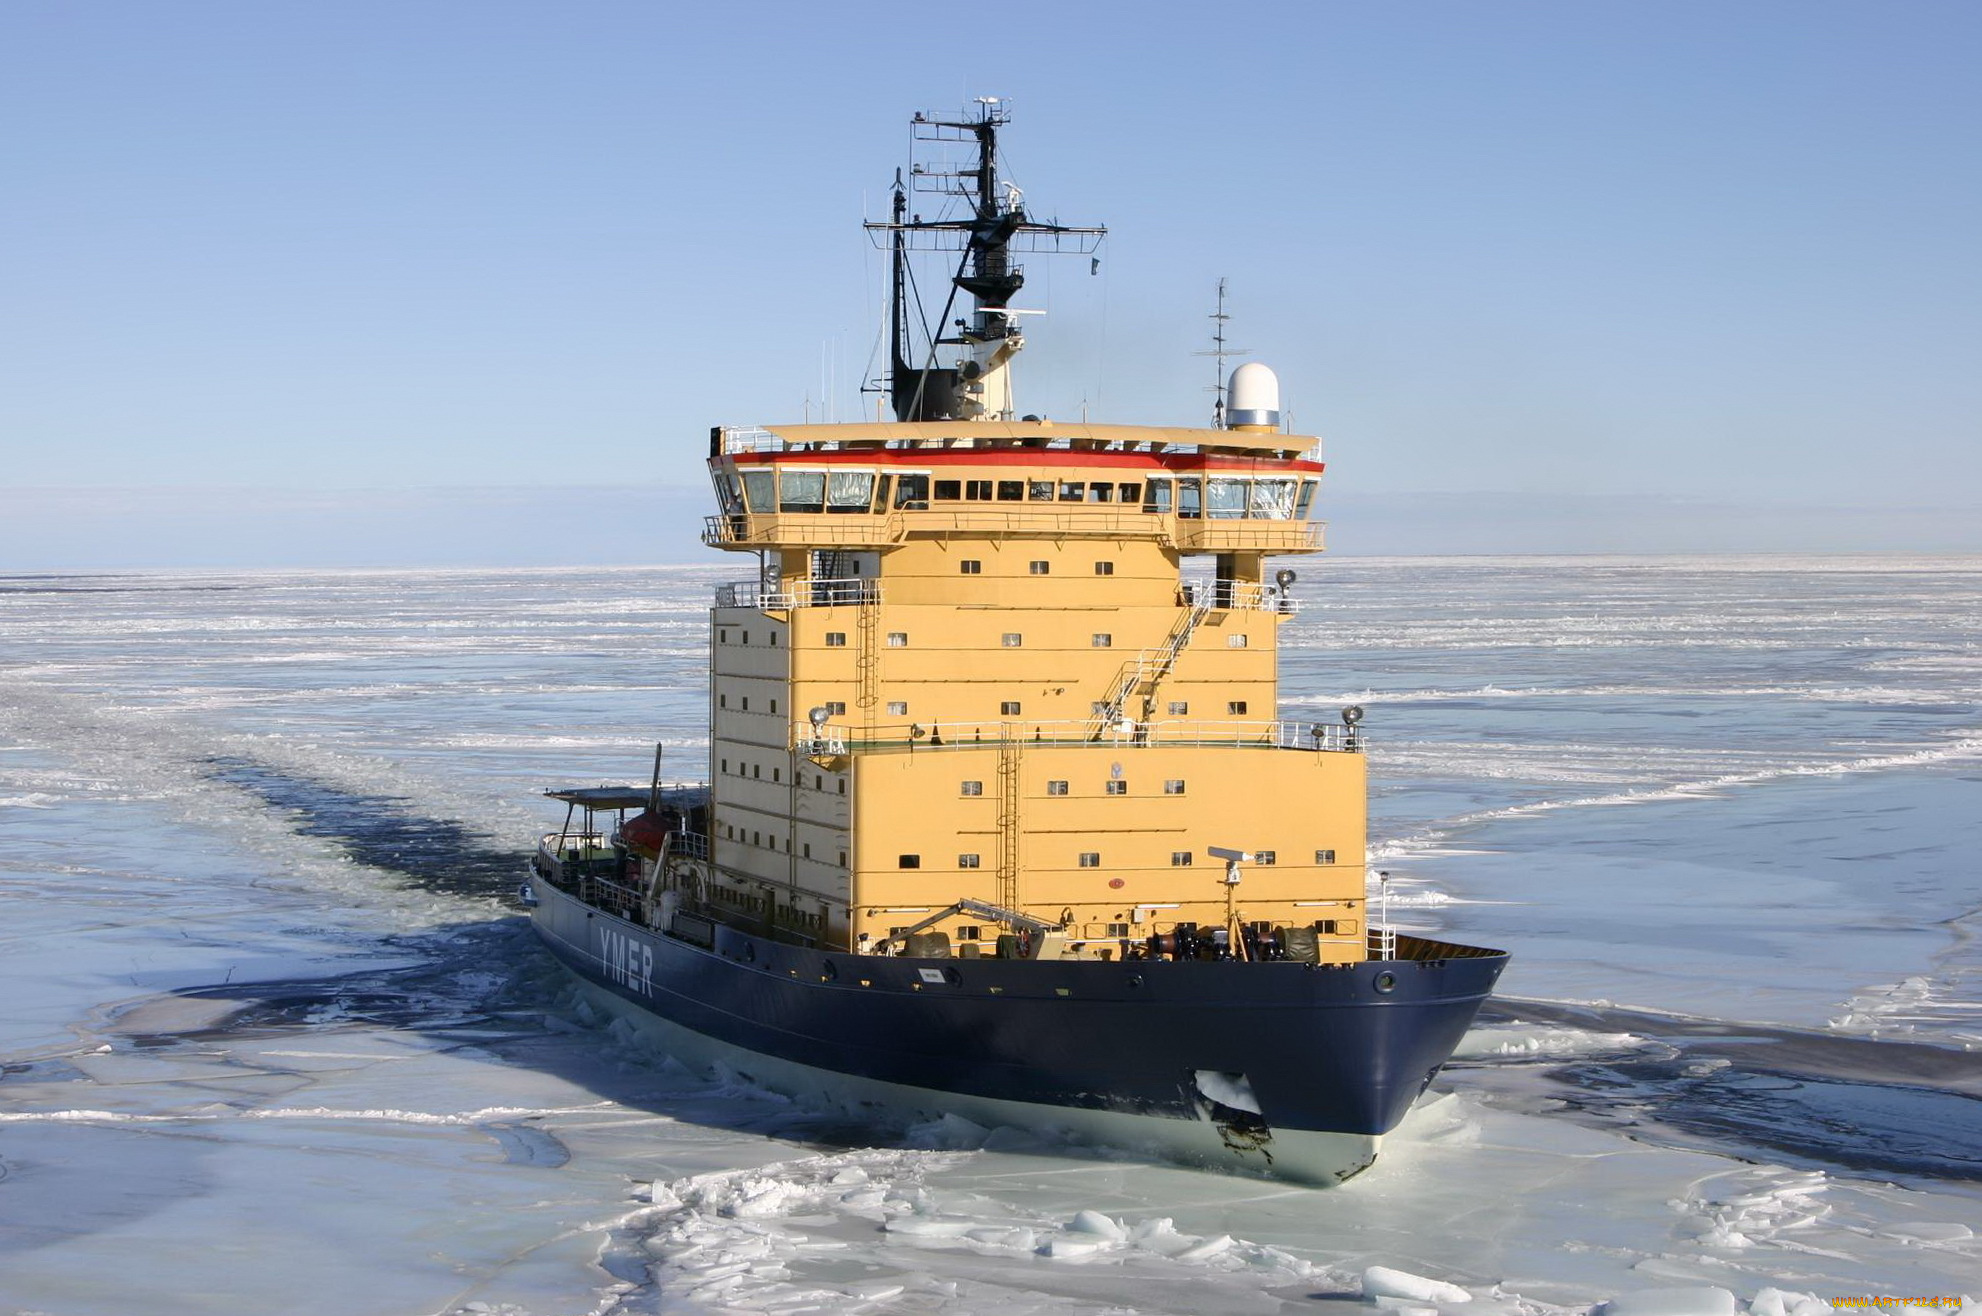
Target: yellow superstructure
x,y
971,667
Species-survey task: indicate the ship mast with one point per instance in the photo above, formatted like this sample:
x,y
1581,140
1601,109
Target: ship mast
x,y
978,385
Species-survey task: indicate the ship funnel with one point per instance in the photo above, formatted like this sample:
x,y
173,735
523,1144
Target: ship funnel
x,y
1253,398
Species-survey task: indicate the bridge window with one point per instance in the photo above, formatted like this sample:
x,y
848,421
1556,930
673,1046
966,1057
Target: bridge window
x,y
1090,859
1272,500
1011,491
1227,501
1128,492
1306,500
1072,491
978,491
1039,491
912,492
802,491
881,494
948,491
1190,498
1100,492
1156,496
966,861
760,490
849,491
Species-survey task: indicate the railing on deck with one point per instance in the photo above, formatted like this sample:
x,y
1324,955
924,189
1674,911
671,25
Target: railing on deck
x,y
798,594
831,740
1263,534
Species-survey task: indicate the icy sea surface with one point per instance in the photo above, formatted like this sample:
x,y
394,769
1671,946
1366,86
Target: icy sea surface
x,y
276,1040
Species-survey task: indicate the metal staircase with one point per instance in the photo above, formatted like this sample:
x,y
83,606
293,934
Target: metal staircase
x,y
1140,675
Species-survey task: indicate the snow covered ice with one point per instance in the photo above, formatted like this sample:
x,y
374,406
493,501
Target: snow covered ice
x,y
275,1040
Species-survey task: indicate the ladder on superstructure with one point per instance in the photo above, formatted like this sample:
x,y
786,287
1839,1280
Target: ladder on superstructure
x,y
1010,748
1147,668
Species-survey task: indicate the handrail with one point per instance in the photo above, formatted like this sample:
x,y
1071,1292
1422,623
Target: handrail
x,y
1052,520
798,594
832,741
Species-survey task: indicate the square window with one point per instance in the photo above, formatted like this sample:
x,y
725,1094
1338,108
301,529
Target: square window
x,y
1180,859
1056,788
906,861
836,708
898,708
1040,568
1237,708
1180,708
1118,788
1174,786
836,639
1090,859
971,566
978,491
966,861
1265,857
1324,856
1118,929
898,639
1102,640
1235,642
1104,568
1012,640
948,491
973,788
1009,708
969,931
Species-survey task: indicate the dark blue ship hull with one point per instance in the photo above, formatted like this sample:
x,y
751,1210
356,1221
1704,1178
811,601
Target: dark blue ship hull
x,y
1198,1056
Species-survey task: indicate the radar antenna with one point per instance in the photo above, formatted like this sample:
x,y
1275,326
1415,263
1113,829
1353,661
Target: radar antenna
x,y
979,385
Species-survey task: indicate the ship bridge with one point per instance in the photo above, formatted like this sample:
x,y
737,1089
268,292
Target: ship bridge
x,y
878,485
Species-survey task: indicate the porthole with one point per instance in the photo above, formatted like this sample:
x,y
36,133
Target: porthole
x,y
1385,982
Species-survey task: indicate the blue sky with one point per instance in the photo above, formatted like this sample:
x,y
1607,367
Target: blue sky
x,y
1570,276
